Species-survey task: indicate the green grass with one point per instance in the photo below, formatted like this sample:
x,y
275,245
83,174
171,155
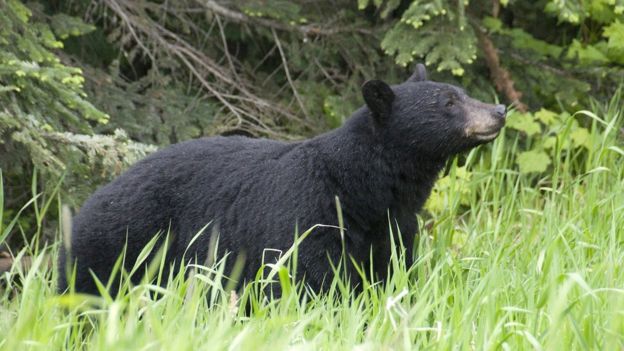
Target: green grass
x,y
534,262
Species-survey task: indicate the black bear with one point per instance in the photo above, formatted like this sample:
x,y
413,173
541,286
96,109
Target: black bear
x,y
256,193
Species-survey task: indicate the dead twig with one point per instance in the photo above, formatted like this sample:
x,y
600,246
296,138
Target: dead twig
x,y
290,81
500,75
226,83
306,30
495,8
226,49
117,9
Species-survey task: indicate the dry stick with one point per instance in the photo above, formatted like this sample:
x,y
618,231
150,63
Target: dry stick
x,y
225,48
495,8
185,51
324,71
502,78
266,57
206,62
219,96
212,90
206,33
286,85
131,24
211,66
178,47
124,18
292,85
310,29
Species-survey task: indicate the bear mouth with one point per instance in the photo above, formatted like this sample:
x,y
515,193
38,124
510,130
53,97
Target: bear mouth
x,y
487,136
484,130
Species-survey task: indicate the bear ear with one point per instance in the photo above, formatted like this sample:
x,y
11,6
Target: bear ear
x,y
378,97
420,74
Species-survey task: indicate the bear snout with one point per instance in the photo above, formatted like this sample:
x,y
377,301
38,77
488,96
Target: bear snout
x,y
484,121
500,111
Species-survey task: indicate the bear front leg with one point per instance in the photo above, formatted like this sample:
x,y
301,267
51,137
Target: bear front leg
x,y
324,256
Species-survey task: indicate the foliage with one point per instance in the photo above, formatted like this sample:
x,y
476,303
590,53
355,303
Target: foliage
x,y
46,120
554,134
281,57
538,143
453,183
543,63
434,30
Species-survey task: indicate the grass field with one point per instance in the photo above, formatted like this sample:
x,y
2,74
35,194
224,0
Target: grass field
x,y
533,262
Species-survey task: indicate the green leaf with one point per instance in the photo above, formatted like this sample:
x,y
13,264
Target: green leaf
x,y
449,186
567,11
21,12
494,25
65,26
335,110
615,44
524,122
420,12
436,202
601,10
431,35
391,5
546,116
550,142
580,137
586,54
533,161
525,41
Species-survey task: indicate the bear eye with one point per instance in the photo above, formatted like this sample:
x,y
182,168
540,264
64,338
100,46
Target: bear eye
x,y
450,102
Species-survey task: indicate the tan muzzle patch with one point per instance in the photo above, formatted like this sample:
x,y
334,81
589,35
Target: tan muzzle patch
x,y
483,121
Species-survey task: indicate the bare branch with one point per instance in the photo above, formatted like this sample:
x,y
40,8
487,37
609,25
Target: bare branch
x,y
306,30
500,75
495,8
292,85
226,49
226,81
124,18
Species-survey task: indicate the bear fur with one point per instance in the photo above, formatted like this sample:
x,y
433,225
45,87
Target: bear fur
x,y
256,193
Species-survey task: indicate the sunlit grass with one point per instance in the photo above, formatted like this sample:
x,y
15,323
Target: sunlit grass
x,y
534,262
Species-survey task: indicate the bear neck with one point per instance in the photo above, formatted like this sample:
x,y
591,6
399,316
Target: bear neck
x,y
370,181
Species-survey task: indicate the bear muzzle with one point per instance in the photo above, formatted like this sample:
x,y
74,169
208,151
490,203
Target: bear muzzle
x,y
484,121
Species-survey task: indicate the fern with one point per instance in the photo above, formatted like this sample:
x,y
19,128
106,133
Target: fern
x,y
435,32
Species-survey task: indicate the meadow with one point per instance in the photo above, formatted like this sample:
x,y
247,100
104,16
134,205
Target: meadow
x,y
511,261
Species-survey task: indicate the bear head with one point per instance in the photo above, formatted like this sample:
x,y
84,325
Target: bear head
x,y
430,118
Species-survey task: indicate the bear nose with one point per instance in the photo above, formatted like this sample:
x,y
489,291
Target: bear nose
x,y
500,110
